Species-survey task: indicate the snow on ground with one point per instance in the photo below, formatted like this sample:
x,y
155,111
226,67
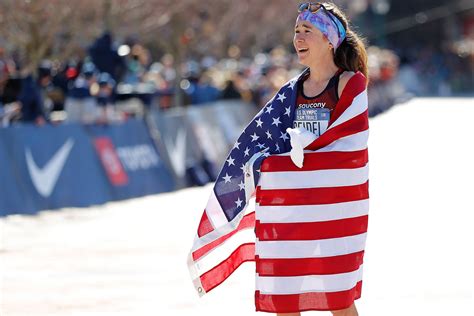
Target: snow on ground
x,y
129,257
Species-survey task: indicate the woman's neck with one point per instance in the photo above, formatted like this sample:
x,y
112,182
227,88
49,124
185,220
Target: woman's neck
x,y
322,72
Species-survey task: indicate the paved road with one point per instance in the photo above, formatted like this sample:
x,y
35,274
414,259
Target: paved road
x,y
129,258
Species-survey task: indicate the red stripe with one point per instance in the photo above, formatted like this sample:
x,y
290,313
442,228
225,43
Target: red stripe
x,y
312,231
247,221
218,274
318,301
318,161
355,125
313,196
308,266
355,85
205,226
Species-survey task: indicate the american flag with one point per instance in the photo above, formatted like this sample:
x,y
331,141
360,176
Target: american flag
x,y
259,164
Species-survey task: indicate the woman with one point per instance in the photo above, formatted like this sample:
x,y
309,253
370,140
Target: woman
x,y
304,156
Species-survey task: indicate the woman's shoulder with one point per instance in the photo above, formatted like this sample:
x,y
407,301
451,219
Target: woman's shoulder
x,y
348,75
343,80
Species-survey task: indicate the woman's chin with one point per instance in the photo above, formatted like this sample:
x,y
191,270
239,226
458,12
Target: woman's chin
x,y
303,61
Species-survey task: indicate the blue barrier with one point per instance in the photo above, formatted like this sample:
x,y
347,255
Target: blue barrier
x,y
47,168
72,165
131,161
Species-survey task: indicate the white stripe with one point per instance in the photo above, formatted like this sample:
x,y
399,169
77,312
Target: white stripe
x,y
214,211
311,248
358,106
223,230
249,180
314,179
309,283
354,142
311,213
221,252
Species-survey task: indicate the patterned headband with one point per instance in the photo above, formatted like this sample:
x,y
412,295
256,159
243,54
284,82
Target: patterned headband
x,y
327,23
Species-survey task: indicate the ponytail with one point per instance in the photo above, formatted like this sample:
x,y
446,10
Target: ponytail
x,y
351,55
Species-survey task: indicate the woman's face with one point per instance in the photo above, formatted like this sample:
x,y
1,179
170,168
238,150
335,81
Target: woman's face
x,y
310,44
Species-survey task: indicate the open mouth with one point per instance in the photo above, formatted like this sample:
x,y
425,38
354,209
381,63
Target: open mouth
x,y
302,50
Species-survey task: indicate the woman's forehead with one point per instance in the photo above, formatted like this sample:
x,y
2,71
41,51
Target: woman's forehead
x,y
303,23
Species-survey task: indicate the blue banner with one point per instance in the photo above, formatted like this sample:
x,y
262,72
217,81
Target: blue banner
x,y
131,162
47,168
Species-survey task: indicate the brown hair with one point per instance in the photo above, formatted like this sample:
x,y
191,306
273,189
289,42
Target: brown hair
x,y
351,54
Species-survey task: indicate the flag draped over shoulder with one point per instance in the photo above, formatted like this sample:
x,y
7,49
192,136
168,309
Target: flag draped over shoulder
x,y
334,173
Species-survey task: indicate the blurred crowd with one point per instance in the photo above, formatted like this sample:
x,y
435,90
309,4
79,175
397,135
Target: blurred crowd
x,y
112,83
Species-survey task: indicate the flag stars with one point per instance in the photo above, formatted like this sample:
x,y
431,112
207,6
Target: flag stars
x,y
246,152
227,178
261,146
238,202
292,84
259,122
230,161
254,137
287,111
242,185
281,97
277,148
236,145
276,121
269,135
284,136
269,109
242,168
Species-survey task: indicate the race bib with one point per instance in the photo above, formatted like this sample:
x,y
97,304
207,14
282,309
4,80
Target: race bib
x,y
315,120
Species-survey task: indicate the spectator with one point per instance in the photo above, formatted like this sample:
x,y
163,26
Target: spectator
x,y
230,91
104,55
105,96
80,105
201,90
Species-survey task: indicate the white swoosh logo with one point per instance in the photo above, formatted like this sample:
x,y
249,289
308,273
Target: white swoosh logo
x,y
44,179
177,153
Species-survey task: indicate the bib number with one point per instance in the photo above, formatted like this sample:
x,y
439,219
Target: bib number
x,y
314,120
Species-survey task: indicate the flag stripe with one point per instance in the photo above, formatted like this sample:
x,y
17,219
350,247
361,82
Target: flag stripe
x,y
218,274
225,249
316,178
311,231
357,141
311,248
214,212
247,221
309,283
355,125
359,105
356,85
317,161
306,266
307,301
311,213
205,226
314,195
351,143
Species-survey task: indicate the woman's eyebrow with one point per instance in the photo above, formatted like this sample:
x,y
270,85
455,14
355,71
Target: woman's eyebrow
x,y
303,25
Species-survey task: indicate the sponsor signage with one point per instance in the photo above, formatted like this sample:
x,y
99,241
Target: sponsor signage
x,y
110,160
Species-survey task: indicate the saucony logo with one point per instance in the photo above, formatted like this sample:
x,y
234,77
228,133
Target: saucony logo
x,y
45,179
177,152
